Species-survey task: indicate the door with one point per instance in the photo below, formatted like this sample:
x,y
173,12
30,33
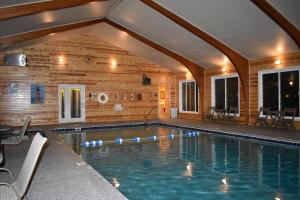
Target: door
x,y
71,103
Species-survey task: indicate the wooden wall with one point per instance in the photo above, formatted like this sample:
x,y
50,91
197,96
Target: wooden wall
x,y
288,60
87,60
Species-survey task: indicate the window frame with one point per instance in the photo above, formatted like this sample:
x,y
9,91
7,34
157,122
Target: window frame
x,y
278,71
213,97
180,99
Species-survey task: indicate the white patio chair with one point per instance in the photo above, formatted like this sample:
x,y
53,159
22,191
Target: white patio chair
x,y
17,138
18,188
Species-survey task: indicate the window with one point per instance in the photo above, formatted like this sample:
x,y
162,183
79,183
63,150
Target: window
x,y
188,96
279,89
225,92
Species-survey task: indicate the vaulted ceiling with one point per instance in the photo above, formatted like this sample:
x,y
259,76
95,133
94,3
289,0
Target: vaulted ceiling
x,y
239,25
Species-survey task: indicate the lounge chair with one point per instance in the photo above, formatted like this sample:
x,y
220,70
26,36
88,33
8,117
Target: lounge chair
x,y
230,116
262,117
210,114
18,188
287,118
17,137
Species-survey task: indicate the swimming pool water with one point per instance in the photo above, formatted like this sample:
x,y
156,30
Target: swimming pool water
x,y
205,167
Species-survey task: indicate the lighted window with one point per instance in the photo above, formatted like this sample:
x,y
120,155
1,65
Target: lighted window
x,y
225,92
279,89
188,96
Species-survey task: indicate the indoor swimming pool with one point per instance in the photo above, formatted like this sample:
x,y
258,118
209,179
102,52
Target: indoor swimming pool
x,y
190,167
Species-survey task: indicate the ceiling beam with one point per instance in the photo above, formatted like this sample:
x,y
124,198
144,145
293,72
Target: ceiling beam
x,y
12,39
278,18
240,62
196,70
38,7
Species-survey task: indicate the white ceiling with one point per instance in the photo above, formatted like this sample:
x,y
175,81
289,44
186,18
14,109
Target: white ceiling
x,y
237,23
4,3
42,20
125,41
288,8
132,14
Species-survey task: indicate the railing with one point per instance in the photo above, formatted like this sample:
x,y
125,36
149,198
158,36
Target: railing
x,y
147,114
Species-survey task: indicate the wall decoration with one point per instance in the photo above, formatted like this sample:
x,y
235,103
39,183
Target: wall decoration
x,y
102,98
146,80
37,94
118,107
12,89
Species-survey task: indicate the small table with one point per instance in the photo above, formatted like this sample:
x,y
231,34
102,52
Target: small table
x,y
5,132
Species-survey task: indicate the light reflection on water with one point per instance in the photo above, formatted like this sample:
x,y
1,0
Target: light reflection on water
x,y
204,167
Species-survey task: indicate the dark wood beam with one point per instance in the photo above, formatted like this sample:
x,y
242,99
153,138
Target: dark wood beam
x,y
196,70
9,40
38,7
283,22
240,63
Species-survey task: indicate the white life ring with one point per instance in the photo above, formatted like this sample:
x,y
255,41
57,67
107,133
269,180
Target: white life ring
x,y
102,98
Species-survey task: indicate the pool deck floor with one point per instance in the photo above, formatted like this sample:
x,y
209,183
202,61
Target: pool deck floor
x,y
59,177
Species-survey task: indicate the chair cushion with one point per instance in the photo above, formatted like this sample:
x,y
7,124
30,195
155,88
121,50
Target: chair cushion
x,y
7,193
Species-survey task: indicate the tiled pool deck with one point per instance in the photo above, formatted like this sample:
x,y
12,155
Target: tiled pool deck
x,y
59,177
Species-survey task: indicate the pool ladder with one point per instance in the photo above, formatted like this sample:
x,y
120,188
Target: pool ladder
x,y
147,114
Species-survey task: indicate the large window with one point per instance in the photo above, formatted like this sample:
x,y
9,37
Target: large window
x,y
279,89
225,92
188,96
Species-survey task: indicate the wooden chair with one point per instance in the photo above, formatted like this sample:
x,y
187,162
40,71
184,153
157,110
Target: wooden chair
x,y
287,118
230,116
262,117
210,114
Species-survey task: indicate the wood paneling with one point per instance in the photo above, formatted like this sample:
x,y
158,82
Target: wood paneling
x,y
38,7
196,70
87,61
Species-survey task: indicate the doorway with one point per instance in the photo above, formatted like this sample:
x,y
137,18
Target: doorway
x,y
71,103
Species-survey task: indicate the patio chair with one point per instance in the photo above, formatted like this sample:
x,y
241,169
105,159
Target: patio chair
x,y
18,188
230,116
262,117
287,118
210,114
17,136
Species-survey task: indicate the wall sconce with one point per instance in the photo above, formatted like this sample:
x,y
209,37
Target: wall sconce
x,y
278,61
162,94
224,69
188,75
61,59
113,64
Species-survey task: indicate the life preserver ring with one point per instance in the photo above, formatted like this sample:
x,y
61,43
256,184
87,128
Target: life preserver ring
x,y
102,98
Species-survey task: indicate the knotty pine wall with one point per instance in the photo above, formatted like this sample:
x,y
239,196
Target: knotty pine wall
x,y
288,60
87,60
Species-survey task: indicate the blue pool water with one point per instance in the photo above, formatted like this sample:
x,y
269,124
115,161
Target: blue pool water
x,y
205,167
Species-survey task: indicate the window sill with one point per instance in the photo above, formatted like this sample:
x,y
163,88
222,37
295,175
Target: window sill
x,y
188,112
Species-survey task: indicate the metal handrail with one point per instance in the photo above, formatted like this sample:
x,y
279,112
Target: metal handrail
x,y
147,114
